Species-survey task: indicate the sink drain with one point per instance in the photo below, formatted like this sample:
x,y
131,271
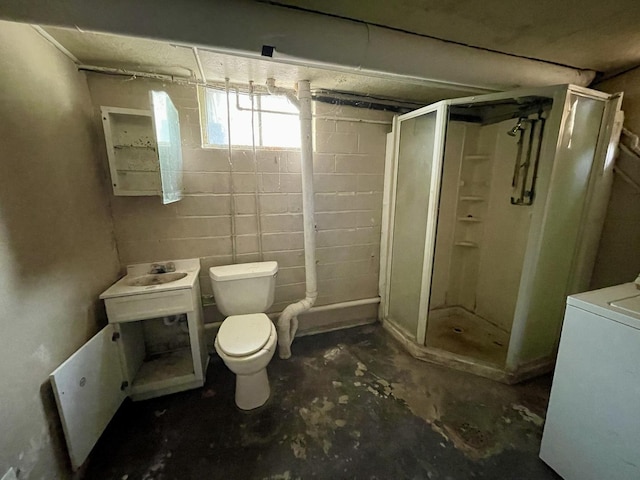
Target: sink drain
x,y
458,330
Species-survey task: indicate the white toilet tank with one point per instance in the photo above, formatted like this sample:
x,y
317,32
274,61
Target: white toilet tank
x,y
244,288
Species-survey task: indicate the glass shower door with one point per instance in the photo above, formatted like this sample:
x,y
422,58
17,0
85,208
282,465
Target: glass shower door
x,y
413,217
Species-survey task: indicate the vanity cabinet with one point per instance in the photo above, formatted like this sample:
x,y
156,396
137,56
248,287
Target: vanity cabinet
x,y
144,149
158,359
153,345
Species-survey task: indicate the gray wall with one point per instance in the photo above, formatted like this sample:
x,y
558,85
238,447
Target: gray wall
x,y
57,250
618,258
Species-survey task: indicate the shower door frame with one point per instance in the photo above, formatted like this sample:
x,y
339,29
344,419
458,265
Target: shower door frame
x,y
441,110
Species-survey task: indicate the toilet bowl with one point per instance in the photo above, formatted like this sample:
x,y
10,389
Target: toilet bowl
x,y
246,344
247,338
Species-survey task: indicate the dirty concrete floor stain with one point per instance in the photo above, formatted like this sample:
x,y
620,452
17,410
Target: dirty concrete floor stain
x,y
349,404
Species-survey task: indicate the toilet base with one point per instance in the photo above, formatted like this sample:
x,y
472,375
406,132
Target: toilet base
x,y
252,391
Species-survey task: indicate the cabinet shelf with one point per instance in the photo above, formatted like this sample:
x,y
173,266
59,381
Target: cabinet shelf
x,y
480,183
476,157
471,198
163,370
466,244
469,219
137,164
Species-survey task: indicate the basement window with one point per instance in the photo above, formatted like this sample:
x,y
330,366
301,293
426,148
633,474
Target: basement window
x,y
275,120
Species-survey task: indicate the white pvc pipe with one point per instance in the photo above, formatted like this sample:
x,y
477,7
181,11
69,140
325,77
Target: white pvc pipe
x,y
232,204
288,322
322,308
256,190
351,303
273,90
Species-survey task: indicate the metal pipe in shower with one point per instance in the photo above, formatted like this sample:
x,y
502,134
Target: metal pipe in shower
x,y
516,169
534,177
524,187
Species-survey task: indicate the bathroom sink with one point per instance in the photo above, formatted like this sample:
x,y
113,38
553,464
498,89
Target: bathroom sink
x,y
141,294
155,279
141,279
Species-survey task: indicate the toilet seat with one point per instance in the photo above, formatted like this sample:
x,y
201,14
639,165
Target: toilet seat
x,y
242,335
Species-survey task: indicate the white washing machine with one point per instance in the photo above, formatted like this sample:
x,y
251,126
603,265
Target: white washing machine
x,y
592,431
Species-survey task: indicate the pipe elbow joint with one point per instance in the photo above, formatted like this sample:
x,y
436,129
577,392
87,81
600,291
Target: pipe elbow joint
x,y
287,325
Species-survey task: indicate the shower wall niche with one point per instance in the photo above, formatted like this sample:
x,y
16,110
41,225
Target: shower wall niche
x,y
495,210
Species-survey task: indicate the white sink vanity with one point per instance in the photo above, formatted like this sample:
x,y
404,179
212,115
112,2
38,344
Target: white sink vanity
x,y
152,346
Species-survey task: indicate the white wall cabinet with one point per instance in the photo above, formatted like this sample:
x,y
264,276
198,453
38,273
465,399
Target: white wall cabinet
x,y
144,149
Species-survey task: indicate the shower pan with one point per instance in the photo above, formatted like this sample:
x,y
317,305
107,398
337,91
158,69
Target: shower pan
x,y
493,210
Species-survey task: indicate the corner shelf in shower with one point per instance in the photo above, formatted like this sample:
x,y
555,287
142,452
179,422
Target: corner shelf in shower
x,y
474,184
469,219
471,198
476,157
466,244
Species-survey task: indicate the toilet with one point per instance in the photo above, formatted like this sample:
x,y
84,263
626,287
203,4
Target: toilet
x,y
247,339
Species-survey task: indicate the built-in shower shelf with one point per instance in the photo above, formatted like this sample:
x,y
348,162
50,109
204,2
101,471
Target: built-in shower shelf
x,y
469,219
471,198
477,157
466,244
464,183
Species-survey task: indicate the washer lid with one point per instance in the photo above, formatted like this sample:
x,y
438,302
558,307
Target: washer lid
x,y
242,335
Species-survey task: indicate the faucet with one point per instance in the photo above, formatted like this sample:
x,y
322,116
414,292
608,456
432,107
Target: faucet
x,y
162,268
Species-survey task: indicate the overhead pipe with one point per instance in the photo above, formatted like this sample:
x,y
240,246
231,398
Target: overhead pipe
x,y
288,321
240,108
273,90
321,117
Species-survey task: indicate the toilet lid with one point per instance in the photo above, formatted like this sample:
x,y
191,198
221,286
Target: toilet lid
x,y
242,335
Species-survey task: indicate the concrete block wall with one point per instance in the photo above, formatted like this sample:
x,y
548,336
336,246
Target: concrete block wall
x,y
348,180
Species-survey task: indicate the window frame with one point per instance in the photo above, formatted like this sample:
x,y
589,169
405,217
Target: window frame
x,y
258,135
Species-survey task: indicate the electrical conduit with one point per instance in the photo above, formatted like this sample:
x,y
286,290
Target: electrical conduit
x,y
288,321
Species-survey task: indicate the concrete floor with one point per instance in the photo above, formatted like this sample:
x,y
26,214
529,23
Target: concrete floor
x,y
349,404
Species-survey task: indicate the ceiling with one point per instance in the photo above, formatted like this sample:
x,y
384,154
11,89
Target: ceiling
x,y
158,57
593,35
589,34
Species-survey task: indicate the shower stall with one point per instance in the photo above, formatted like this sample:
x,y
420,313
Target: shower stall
x,y
493,210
